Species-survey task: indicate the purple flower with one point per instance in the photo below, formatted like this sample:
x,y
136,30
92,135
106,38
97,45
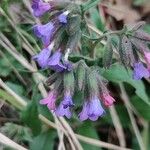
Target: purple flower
x,y
140,71
61,111
55,62
43,57
92,109
67,101
50,100
39,7
63,17
45,32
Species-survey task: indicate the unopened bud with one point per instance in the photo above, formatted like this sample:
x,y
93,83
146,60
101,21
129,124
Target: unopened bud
x,y
69,82
81,75
73,24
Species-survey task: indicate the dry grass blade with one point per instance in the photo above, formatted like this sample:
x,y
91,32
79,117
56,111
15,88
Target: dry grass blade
x,y
8,142
118,126
125,98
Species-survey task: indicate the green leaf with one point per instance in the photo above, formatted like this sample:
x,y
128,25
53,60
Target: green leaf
x,y
117,73
142,107
87,129
44,141
95,17
30,117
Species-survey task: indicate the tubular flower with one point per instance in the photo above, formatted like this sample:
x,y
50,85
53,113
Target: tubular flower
x,y
92,110
39,7
43,57
62,111
55,62
67,101
140,71
45,32
50,100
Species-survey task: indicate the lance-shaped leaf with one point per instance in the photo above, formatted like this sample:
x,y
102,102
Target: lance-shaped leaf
x,y
122,53
81,75
73,24
127,47
142,35
69,82
108,53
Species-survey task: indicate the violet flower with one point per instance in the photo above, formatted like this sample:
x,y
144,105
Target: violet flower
x,y
39,7
140,71
43,57
50,100
63,17
45,32
92,109
55,62
61,111
67,101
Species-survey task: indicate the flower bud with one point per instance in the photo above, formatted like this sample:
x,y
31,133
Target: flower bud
x,y
92,84
68,82
81,75
73,24
73,40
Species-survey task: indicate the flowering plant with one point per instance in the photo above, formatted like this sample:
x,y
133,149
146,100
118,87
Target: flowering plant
x,y
74,74
63,38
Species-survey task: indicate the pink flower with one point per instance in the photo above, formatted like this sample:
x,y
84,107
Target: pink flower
x,y
147,57
108,100
50,100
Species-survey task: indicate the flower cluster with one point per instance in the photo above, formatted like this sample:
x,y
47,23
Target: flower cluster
x,y
89,82
60,37
132,46
55,35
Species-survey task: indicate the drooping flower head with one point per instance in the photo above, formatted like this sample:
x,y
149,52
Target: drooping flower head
x,y
63,111
50,100
43,57
107,99
39,7
67,101
65,105
45,32
92,110
140,71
